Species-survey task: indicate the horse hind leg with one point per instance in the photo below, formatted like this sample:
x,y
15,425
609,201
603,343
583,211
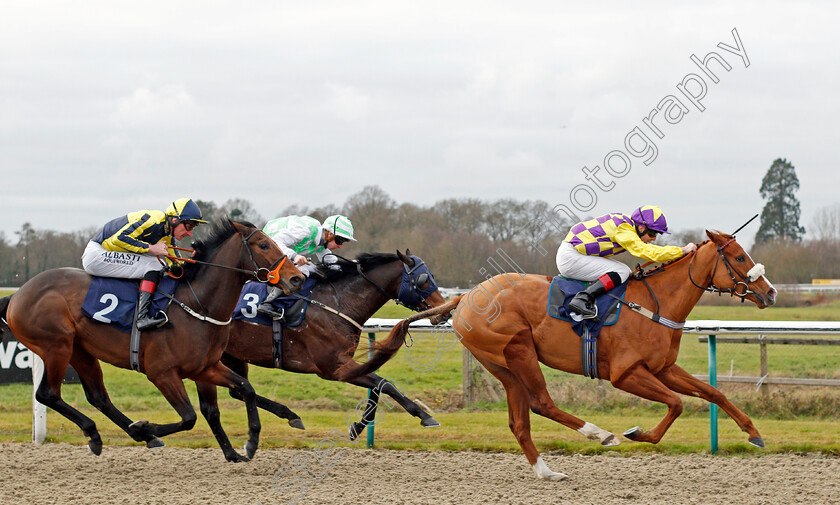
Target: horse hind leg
x,y
379,385
90,374
49,393
519,421
523,363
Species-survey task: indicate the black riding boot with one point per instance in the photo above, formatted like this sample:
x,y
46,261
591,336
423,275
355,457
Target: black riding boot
x,y
584,302
266,308
144,302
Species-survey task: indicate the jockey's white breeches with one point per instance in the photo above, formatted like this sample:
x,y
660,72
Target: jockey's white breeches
x,y
97,260
574,265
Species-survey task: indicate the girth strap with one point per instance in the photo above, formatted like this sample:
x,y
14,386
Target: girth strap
x,y
589,353
655,317
277,343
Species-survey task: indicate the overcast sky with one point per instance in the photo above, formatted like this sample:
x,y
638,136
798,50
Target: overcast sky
x,y
110,107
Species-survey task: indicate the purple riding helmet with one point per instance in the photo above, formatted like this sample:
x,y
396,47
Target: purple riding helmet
x,y
651,217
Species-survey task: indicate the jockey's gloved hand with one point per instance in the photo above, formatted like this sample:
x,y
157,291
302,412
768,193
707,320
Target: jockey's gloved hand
x,y
175,270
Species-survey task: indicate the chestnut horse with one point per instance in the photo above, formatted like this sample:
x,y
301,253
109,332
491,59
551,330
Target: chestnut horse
x,y
46,316
325,340
508,330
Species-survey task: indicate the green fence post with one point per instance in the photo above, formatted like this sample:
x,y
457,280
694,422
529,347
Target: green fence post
x,y
713,409
370,426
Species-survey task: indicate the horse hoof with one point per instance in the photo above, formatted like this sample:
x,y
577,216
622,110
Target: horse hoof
x,y
633,433
95,448
355,431
235,457
296,423
250,449
758,442
611,441
430,422
155,443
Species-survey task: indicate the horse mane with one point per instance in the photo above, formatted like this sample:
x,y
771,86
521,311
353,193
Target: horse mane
x,y
221,230
368,261
665,265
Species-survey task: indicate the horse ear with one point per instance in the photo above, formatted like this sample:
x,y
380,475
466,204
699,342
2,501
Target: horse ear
x,y
716,237
407,252
405,259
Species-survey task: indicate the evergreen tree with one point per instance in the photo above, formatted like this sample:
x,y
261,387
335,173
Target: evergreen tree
x,y
780,217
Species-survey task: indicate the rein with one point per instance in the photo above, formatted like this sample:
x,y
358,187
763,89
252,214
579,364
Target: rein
x,y
271,273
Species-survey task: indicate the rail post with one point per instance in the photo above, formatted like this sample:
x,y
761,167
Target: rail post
x,y
713,409
39,410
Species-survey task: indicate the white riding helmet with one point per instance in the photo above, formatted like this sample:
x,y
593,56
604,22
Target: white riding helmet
x,y
339,226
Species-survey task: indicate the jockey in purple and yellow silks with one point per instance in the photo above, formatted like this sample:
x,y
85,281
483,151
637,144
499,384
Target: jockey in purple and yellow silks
x,y
127,247
584,253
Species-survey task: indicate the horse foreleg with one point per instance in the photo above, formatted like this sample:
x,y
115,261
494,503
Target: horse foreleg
x,y
90,374
221,375
639,381
209,406
278,409
519,421
684,383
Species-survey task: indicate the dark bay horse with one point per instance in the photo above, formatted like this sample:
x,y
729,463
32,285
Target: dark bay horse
x,y
46,316
325,341
504,323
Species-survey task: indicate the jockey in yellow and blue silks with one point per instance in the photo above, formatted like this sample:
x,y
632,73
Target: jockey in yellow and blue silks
x,y
584,253
128,247
299,236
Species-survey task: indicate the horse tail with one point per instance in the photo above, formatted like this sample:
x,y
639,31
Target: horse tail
x,y
385,350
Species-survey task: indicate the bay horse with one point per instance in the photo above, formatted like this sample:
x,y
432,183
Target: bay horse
x,y
507,328
325,340
46,316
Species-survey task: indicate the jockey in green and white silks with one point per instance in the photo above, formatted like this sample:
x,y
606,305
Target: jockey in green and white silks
x,y
300,236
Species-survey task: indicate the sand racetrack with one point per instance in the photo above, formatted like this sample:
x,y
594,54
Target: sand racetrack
x,y
61,474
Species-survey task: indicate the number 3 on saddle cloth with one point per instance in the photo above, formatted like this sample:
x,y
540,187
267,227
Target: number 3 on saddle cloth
x,y
561,292
112,301
292,307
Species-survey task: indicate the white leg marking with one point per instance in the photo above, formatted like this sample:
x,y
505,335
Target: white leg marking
x,y
593,432
543,472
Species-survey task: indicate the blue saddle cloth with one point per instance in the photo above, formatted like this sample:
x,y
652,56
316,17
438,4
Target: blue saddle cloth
x,y
112,301
253,293
562,291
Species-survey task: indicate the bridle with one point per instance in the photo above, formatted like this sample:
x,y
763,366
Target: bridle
x,y
410,293
752,275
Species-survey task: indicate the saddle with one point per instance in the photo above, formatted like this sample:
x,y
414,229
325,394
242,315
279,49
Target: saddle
x,y
561,292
